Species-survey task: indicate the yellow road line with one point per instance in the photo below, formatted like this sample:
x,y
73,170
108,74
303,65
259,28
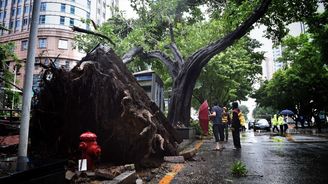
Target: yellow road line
x,y
176,168
170,175
198,144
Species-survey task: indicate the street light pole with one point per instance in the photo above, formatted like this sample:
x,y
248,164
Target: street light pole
x,y
27,91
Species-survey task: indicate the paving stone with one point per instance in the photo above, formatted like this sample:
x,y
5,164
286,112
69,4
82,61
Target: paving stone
x,y
174,159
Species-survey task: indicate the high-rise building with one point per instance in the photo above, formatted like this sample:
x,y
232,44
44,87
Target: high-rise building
x,y
295,29
55,37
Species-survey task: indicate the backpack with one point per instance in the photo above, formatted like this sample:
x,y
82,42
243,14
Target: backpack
x,y
241,118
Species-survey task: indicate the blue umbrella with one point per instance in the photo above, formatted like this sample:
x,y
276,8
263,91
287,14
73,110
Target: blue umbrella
x,y
286,112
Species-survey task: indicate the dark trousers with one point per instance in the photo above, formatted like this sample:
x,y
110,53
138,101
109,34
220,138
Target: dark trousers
x,y
226,131
236,137
218,131
285,128
274,128
281,127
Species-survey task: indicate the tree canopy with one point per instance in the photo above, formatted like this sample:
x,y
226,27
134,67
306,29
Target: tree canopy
x,y
302,84
184,37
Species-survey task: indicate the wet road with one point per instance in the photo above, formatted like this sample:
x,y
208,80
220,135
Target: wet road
x,y
268,159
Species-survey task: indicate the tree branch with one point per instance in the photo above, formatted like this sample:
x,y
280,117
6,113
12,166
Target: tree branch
x,y
173,69
128,57
2,78
77,29
203,55
177,55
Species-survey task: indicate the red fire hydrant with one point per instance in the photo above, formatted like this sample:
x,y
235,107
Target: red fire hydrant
x,y
89,147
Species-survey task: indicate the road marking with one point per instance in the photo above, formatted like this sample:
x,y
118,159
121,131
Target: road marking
x,y
198,144
177,168
170,175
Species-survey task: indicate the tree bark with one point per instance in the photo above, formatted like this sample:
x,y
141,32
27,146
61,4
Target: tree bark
x,y
100,95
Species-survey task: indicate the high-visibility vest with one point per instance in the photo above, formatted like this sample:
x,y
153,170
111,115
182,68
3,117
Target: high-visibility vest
x,y
274,120
225,118
280,120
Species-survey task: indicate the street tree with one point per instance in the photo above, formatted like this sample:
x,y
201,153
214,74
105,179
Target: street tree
x,y
6,76
301,85
230,75
178,34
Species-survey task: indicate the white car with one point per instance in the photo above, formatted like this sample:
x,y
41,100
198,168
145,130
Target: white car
x,y
262,124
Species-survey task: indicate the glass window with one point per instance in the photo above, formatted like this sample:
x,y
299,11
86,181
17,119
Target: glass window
x,y
71,22
19,10
24,45
98,10
13,1
88,15
72,10
42,43
19,1
104,15
43,6
4,14
1,3
25,22
26,9
62,20
11,24
13,11
63,7
17,25
62,44
42,19
1,15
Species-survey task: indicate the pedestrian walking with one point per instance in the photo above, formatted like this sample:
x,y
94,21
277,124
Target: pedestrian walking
x,y
281,125
218,127
235,126
274,122
226,122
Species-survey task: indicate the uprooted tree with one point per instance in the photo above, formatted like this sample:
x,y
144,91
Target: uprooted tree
x,y
99,95
185,67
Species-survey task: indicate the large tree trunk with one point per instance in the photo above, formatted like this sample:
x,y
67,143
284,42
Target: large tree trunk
x,y
182,90
100,95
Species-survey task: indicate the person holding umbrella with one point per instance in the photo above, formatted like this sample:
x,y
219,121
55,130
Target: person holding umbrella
x,y
286,113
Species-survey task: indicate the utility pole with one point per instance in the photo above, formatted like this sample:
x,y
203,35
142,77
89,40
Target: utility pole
x,y
27,90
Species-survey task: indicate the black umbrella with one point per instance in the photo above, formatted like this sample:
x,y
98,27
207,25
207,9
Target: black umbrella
x,y
286,112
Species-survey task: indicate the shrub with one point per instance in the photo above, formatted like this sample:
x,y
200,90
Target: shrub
x,y
238,169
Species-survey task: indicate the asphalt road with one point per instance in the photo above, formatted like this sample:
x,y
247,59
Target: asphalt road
x,y
268,158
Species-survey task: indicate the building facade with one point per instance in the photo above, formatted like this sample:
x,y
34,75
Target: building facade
x,y
153,86
55,37
295,29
